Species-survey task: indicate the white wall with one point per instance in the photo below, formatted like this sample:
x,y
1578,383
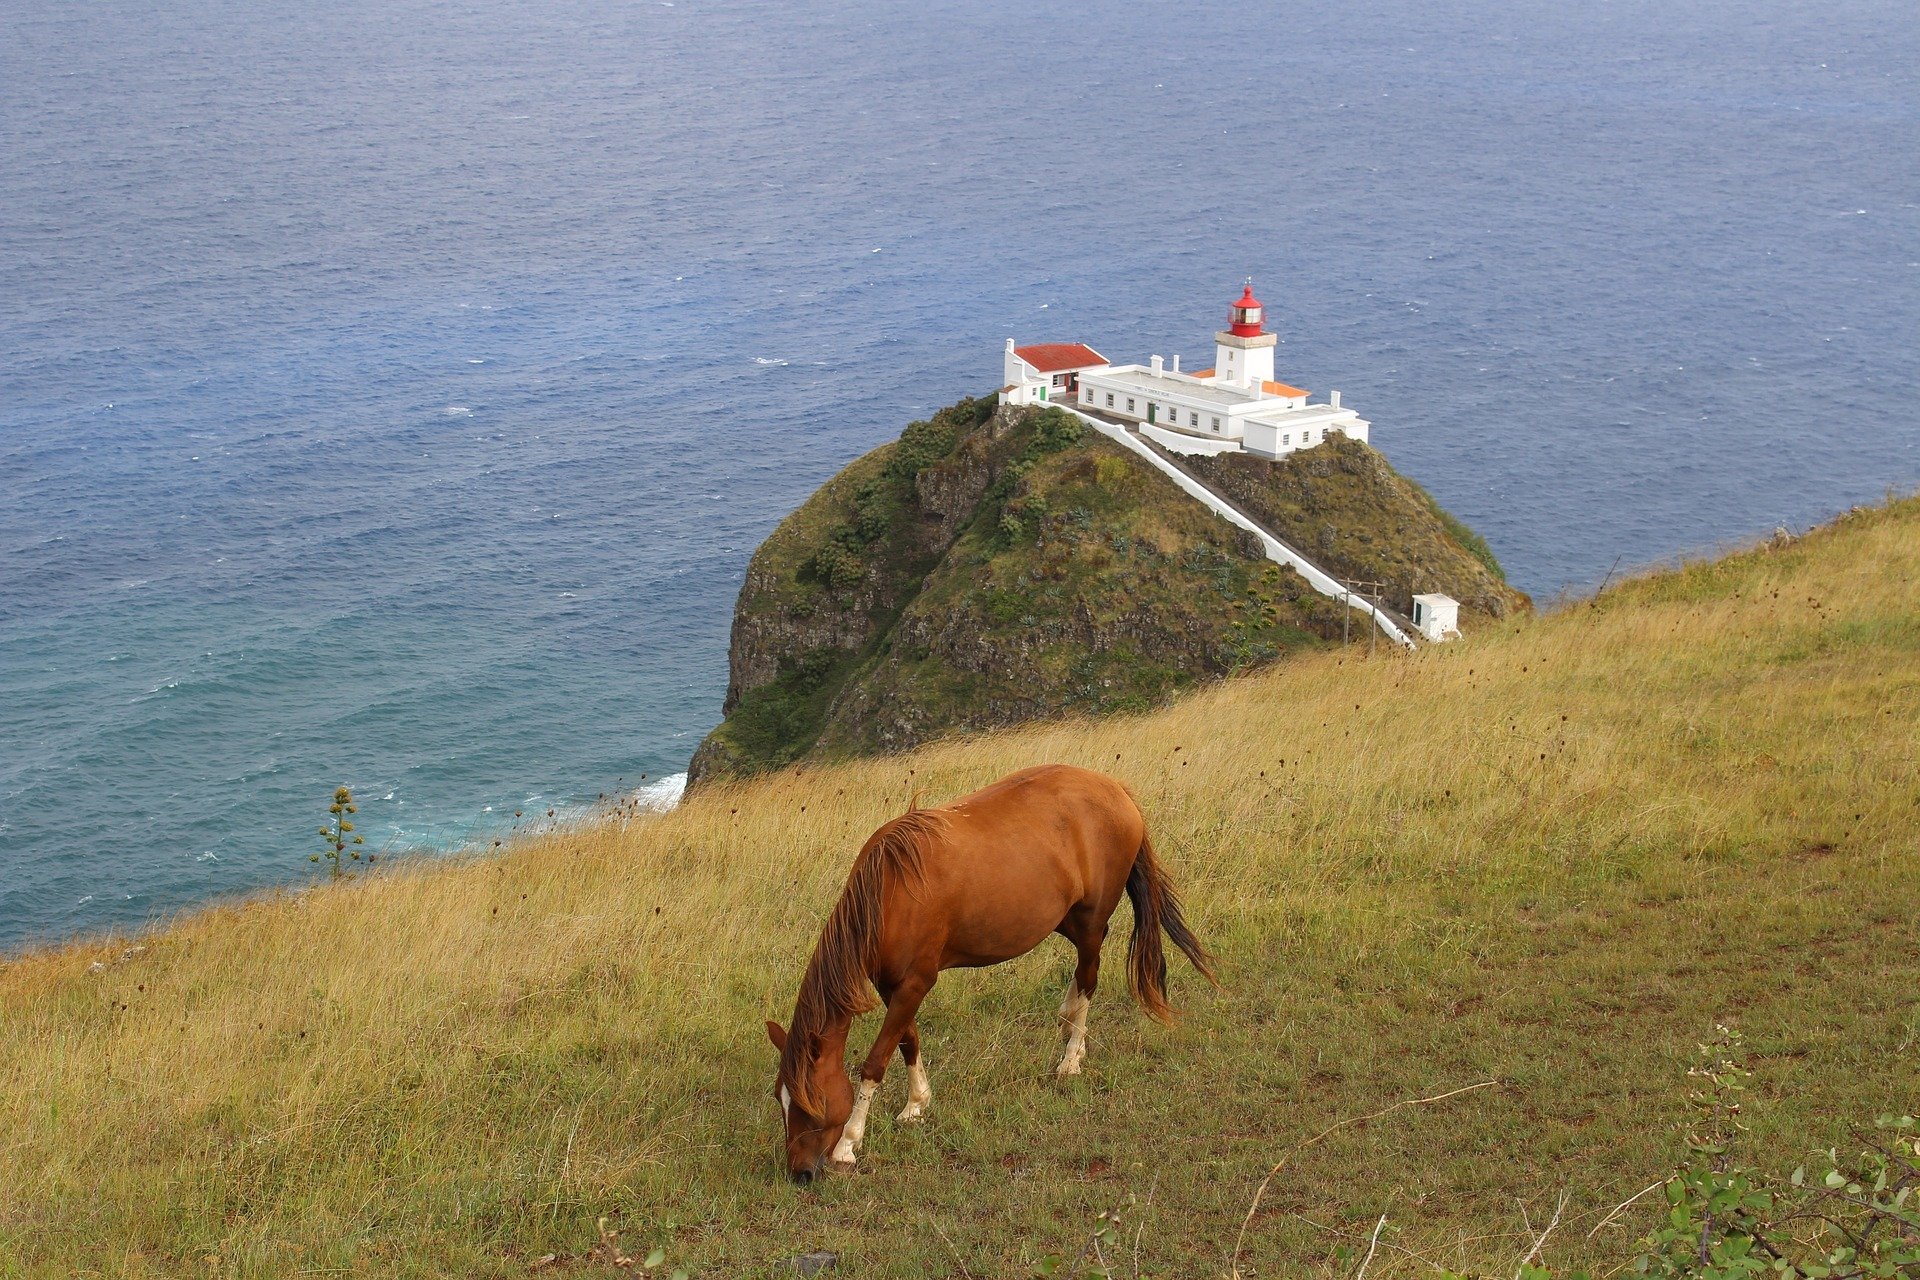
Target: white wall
x,y
1438,616
1013,370
1215,421
1277,440
1173,442
1242,366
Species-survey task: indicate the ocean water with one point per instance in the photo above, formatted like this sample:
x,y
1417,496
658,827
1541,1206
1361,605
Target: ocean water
x,y
392,394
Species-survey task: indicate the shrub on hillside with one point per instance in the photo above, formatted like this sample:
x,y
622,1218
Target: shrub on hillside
x,y
1853,1216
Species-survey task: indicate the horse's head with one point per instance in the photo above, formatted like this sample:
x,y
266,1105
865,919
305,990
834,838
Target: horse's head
x,y
812,1128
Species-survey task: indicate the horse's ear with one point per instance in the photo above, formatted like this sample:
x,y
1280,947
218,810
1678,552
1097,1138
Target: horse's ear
x,y
777,1034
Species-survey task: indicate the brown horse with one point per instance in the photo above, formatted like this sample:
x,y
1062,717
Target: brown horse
x,y
976,882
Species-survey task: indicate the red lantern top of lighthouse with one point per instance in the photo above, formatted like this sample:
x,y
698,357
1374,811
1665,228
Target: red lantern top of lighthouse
x,y
1244,316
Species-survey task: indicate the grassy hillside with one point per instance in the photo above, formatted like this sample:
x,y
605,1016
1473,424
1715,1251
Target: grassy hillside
x,y
1090,586
1343,504
1551,855
989,569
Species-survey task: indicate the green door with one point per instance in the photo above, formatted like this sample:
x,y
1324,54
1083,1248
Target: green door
x,y
1150,409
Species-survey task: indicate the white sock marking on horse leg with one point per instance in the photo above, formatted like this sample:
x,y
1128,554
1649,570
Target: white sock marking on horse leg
x,y
1073,1012
850,1137
919,1092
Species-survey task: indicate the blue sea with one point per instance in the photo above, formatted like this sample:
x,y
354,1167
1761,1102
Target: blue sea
x,y
392,394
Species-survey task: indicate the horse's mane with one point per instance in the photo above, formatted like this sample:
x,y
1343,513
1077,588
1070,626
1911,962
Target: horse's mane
x,y
837,984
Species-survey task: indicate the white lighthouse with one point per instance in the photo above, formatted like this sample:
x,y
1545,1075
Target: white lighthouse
x,y
1243,351
1236,405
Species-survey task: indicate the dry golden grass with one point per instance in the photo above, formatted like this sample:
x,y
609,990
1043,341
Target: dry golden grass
x,y
1551,855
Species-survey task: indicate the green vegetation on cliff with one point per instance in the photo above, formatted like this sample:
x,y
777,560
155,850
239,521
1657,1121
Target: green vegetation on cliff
x,y
992,567
1359,519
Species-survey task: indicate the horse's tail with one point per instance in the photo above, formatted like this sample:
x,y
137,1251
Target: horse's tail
x,y
1156,907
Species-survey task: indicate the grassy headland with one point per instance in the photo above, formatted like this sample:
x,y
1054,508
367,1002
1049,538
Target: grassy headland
x,y
1552,854
993,568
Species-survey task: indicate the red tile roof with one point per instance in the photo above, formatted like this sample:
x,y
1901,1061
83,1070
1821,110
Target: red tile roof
x,y
1056,357
1201,373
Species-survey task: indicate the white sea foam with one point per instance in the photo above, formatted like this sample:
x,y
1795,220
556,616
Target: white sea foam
x,y
764,360
457,411
663,794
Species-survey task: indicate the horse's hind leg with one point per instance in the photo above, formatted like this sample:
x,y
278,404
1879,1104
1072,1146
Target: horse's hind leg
x,y
1087,939
919,1092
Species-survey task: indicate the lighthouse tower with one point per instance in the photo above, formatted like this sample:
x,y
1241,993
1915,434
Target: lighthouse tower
x,y
1243,351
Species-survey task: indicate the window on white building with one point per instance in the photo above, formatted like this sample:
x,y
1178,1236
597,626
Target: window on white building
x,y
1216,424
1286,439
1130,406
1109,399
1195,417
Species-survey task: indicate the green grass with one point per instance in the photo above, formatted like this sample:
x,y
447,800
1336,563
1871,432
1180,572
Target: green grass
x,y
1551,855
1475,544
1343,505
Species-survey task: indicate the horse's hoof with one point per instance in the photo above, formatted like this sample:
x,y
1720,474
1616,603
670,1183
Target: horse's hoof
x,y
914,1114
1067,1069
844,1166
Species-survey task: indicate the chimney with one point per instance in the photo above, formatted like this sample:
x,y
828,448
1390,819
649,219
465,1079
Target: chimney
x,y
1176,364
1156,365
1009,346
1335,401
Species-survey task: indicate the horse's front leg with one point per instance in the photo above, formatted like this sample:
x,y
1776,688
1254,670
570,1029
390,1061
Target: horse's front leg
x,y
902,1004
919,1090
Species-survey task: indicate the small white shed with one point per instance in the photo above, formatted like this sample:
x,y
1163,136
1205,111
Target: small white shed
x,y
1437,616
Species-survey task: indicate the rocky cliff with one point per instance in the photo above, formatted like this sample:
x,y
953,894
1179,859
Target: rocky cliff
x,y
993,566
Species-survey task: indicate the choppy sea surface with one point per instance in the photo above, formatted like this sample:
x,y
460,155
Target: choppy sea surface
x,y
391,394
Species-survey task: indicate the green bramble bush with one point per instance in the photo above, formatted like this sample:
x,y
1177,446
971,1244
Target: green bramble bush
x,y
1851,1217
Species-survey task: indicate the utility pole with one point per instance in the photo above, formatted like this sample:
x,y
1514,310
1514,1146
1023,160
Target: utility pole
x,y
1370,591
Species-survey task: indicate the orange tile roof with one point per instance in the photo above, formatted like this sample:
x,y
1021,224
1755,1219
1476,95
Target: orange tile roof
x,y
1054,357
1272,388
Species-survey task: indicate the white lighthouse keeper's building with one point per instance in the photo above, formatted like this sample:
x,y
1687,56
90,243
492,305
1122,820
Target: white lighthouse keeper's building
x,y
1045,371
1234,405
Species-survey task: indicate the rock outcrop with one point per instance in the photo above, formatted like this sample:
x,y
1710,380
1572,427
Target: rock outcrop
x,y
994,566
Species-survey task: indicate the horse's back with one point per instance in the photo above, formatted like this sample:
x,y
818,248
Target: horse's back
x,y
1060,789
1014,858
